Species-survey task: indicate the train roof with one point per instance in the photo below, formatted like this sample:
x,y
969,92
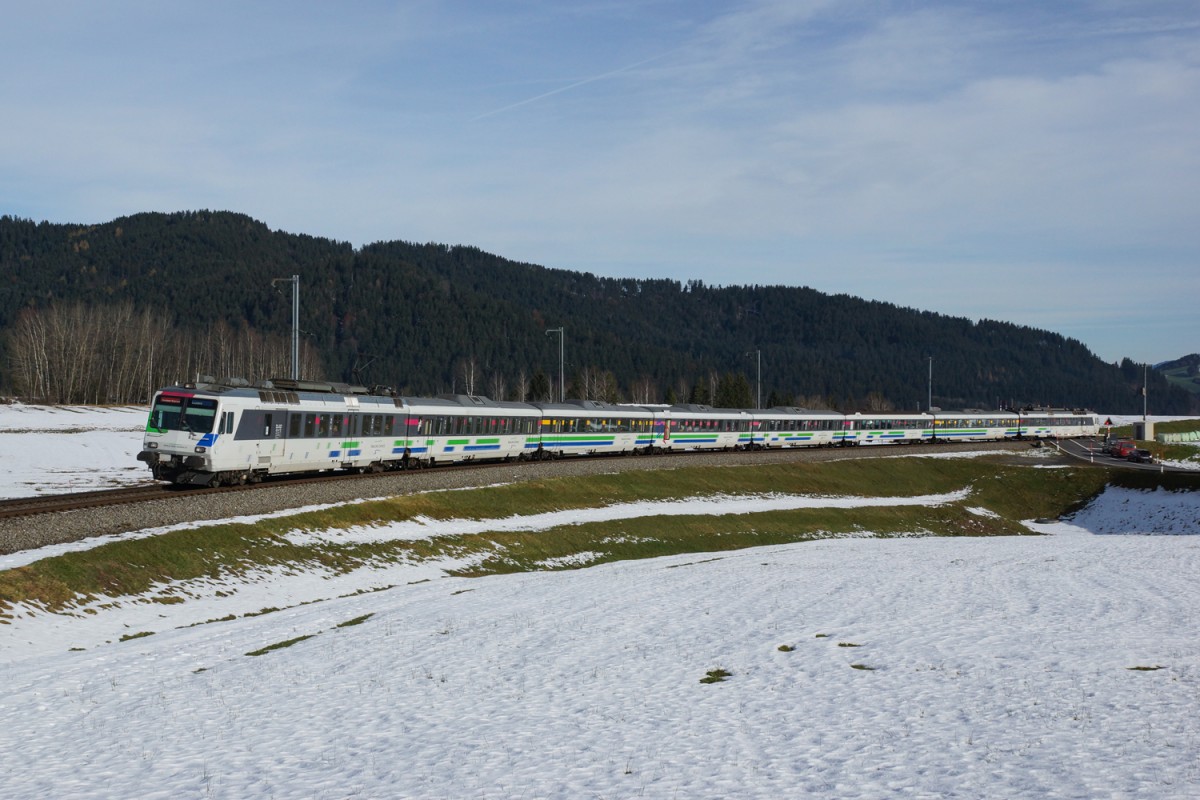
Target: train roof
x,y
448,402
699,408
796,411
593,407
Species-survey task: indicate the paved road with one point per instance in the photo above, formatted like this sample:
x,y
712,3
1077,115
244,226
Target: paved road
x,y
1089,450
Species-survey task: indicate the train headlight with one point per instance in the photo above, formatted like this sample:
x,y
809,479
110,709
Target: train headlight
x,y
152,446
201,449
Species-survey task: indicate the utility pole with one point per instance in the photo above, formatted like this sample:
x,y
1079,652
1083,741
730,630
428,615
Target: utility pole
x,y
758,385
562,385
929,404
295,282
1145,387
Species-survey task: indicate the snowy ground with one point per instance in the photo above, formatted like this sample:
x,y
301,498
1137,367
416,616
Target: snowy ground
x,y
54,449
1065,665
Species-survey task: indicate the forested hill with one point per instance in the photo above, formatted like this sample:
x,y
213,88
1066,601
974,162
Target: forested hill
x,y
434,318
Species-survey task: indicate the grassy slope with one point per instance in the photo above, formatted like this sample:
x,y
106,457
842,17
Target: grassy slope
x,y
1179,377
143,566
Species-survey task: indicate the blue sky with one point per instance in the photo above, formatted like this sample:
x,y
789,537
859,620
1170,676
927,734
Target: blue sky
x,y
1037,162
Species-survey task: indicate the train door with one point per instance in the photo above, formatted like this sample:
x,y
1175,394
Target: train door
x,y
269,441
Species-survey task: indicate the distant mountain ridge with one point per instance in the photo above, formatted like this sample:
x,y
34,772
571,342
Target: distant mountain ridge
x,y
429,318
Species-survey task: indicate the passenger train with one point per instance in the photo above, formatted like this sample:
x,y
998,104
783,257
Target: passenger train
x,y
229,432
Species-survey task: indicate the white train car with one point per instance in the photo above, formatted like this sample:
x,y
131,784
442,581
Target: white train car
x,y
887,428
782,427
975,426
226,433
1057,423
587,427
701,427
455,428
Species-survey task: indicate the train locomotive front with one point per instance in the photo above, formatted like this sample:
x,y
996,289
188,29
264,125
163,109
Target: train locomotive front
x,y
182,436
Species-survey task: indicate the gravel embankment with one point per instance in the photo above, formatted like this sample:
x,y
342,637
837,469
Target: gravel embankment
x,y
24,533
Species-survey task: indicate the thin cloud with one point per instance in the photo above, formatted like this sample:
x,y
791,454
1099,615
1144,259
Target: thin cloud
x,y
575,85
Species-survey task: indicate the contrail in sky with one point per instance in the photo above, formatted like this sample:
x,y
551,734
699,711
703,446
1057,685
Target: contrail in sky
x,y
570,86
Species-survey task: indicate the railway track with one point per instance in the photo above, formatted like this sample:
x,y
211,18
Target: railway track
x,y
76,501
81,501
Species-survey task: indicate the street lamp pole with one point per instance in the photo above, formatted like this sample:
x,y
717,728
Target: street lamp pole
x,y
562,385
295,282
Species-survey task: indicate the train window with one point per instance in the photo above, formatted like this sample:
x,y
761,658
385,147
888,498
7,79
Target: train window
x,y
336,425
389,425
294,421
310,425
322,425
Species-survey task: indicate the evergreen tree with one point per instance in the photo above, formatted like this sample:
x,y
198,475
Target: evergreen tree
x,y
539,387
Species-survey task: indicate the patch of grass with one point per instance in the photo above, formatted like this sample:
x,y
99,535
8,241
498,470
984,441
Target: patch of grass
x,y
822,636
848,644
279,645
653,537
1144,669
141,635
786,648
863,667
716,676
356,621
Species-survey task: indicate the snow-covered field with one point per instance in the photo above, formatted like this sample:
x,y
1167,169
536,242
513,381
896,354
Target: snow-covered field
x,y
53,449
1064,665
